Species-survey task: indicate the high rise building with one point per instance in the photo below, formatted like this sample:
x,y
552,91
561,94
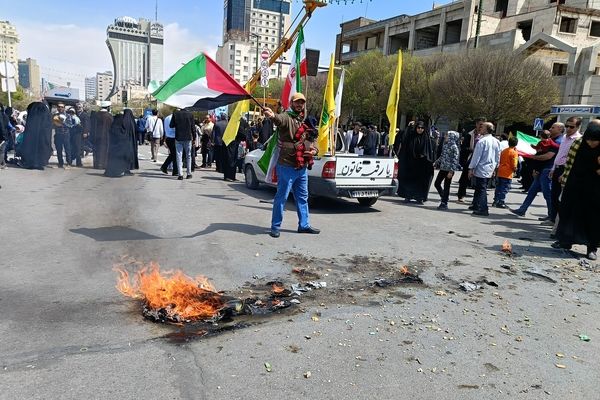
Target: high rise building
x,y
136,48
90,88
249,26
29,76
104,85
9,40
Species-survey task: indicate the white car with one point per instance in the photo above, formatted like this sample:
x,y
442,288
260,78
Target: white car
x,y
364,178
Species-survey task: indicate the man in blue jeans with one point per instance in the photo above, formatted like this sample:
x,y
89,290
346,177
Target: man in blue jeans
x,y
291,177
185,129
484,162
542,165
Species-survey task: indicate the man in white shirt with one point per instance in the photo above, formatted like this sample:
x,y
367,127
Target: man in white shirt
x,y
154,126
486,157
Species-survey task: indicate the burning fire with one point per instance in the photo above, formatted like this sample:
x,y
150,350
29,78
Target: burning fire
x,y
277,287
404,270
180,296
507,247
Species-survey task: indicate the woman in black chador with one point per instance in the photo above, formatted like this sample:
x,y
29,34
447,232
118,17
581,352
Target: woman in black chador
x,y
36,148
579,217
415,163
120,146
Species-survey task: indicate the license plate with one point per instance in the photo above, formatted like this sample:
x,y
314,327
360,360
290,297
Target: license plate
x,y
364,193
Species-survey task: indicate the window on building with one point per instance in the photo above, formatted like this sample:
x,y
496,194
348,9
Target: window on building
x,y
245,78
273,71
231,47
237,62
525,27
502,7
231,56
238,52
245,59
595,29
559,69
237,71
568,25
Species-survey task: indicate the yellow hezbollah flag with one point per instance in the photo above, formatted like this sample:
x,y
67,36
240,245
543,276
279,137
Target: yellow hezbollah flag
x,y
394,99
328,112
241,108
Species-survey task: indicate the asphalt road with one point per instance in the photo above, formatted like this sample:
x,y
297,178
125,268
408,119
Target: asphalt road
x,y
67,333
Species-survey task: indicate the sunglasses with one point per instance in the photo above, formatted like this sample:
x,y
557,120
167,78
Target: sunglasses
x,y
570,126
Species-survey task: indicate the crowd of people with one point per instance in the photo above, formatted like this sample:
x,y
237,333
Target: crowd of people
x,y
565,167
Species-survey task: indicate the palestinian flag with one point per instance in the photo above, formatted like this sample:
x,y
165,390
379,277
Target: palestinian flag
x,y
298,69
526,143
201,84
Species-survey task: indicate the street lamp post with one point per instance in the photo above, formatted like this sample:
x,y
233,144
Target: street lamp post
x,y
257,37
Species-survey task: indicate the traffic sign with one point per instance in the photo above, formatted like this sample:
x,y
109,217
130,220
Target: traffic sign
x,y
264,82
538,124
264,54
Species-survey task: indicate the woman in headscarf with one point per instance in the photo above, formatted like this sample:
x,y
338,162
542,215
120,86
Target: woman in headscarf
x,y
415,163
130,119
579,219
101,127
120,150
36,147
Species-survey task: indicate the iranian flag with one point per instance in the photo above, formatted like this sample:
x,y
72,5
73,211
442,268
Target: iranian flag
x,y
201,84
293,83
526,143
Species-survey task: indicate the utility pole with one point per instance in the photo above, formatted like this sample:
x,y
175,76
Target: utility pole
x,y
478,28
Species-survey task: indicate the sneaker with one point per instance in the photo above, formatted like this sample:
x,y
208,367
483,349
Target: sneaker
x,y
189,176
274,234
442,206
180,178
518,212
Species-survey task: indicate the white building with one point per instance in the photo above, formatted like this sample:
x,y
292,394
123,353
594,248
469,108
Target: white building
x,y
9,41
104,85
249,26
136,49
90,88
563,34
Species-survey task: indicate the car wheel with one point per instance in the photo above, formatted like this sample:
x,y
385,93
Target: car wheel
x,y
367,201
250,177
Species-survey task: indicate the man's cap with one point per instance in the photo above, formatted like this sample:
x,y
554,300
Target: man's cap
x,y
105,104
298,96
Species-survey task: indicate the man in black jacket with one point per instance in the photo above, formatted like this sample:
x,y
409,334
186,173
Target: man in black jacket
x,y
218,145
185,129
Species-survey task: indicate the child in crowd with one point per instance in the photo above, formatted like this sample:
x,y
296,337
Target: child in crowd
x,y
447,163
509,161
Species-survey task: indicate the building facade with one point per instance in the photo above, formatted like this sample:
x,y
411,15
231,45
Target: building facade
x,y
90,88
104,85
249,26
29,77
136,49
563,34
9,44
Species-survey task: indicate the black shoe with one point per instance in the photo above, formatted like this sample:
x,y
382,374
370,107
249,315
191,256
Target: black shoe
x,y
443,206
481,213
407,200
501,205
310,229
546,218
274,234
420,202
559,245
180,178
517,212
164,171
494,203
189,176
472,208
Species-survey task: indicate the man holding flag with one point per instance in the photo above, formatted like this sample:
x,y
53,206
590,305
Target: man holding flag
x,y
290,125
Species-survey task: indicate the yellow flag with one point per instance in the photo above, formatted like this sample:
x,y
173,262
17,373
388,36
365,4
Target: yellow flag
x,y
241,108
394,99
328,112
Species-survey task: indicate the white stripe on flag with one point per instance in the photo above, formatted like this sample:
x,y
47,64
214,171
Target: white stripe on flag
x,y
190,94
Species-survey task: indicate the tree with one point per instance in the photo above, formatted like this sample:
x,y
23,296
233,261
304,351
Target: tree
x,y
367,86
500,85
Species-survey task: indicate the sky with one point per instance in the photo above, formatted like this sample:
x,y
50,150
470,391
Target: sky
x,y
67,38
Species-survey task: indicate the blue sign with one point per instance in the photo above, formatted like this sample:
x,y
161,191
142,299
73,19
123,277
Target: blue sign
x,y
594,110
538,124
